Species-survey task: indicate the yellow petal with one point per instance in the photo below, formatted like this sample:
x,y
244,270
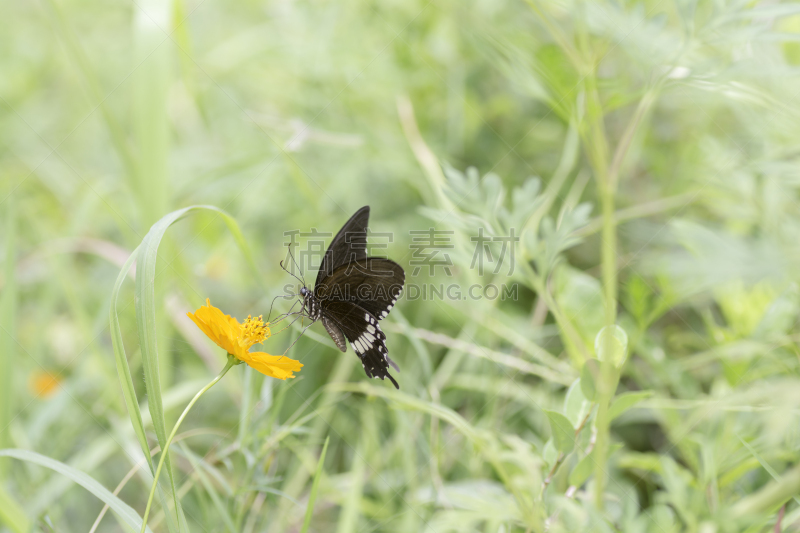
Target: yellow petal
x,y
276,366
219,327
236,339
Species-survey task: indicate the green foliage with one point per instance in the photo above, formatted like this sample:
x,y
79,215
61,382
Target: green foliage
x,y
126,513
644,154
562,431
611,345
625,401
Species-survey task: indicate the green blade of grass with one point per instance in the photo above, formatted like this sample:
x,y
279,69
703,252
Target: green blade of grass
x,y
151,81
312,496
121,359
126,379
146,320
151,134
125,512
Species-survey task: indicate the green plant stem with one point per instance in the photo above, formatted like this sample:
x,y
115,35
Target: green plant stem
x,y
598,154
770,498
231,362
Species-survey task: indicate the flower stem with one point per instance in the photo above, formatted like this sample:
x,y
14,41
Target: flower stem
x,y
231,362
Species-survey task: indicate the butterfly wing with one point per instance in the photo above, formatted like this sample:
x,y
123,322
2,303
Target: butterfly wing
x,y
350,244
374,284
364,333
335,332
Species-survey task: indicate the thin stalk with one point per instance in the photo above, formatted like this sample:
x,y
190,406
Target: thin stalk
x,y
608,178
598,153
231,362
610,374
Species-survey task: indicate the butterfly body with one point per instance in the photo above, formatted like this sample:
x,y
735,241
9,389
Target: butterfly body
x,y
311,305
352,293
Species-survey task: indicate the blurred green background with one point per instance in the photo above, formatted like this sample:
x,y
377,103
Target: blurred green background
x,y
646,153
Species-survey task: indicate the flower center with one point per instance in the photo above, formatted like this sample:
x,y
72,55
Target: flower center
x,y
254,331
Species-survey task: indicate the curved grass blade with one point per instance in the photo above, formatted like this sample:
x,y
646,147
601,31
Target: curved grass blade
x,y
125,512
126,380
124,371
146,320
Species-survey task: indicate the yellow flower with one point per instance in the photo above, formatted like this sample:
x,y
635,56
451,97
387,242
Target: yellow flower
x,y
236,339
43,383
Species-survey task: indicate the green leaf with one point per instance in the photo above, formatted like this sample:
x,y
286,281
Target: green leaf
x,y
549,453
589,375
563,432
576,406
582,470
611,345
586,466
312,497
625,401
124,511
580,297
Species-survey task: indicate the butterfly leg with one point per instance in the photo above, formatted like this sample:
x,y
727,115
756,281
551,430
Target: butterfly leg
x,y
298,337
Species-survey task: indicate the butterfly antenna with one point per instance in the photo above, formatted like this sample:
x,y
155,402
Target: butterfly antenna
x,y
298,267
287,271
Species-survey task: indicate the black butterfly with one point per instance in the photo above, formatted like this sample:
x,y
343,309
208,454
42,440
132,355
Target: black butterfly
x,y
353,293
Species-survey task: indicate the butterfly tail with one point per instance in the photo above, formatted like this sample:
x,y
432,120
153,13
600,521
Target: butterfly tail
x,y
396,386
375,366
